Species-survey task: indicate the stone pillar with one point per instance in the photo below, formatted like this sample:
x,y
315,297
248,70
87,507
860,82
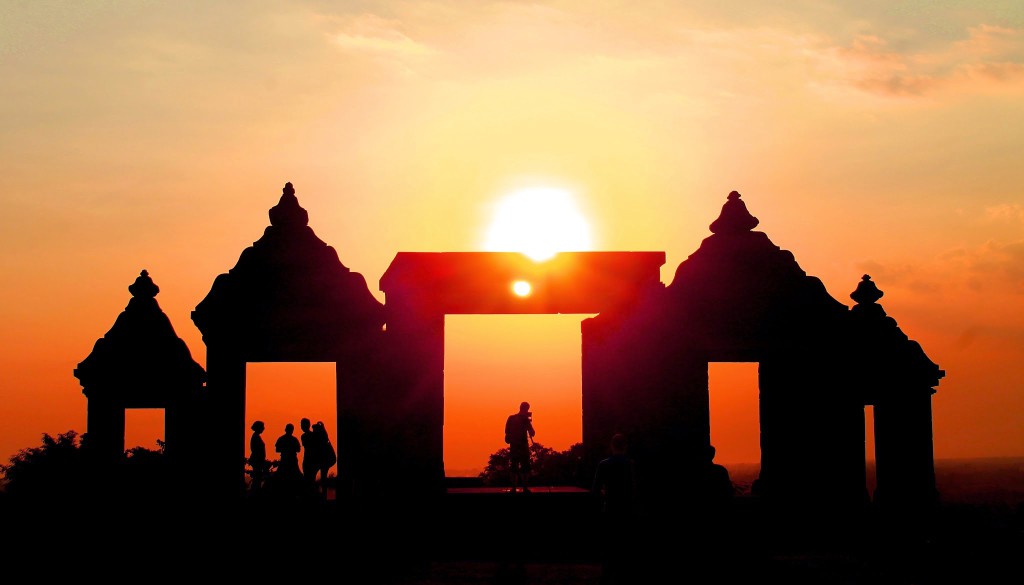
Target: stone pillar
x,y
904,455
418,399
225,425
105,430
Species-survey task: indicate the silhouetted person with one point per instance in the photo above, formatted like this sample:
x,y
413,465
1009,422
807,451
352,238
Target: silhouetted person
x,y
288,475
706,495
707,484
313,454
258,456
615,485
717,483
615,480
519,434
328,456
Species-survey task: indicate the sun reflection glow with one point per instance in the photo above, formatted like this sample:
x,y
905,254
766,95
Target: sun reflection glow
x,y
521,288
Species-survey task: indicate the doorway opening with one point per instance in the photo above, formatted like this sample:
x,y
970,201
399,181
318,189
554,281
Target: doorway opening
x,y
493,363
869,450
279,393
144,427
733,400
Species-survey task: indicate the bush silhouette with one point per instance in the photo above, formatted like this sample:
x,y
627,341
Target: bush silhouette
x,y
61,471
549,467
47,471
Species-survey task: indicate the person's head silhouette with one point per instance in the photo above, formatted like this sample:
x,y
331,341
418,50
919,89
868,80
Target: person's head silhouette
x,y
618,443
524,407
289,429
257,426
304,423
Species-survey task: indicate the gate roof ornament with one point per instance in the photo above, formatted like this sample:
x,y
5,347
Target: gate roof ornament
x,y
140,359
289,297
734,217
288,212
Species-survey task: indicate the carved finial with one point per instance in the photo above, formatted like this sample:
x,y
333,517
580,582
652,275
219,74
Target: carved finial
x,y
143,286
866,292
288,212
734,217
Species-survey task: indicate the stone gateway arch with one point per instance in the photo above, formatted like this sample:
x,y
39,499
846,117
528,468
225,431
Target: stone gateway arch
x,y
644,361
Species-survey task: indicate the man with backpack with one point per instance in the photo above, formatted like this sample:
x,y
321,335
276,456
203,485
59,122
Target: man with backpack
x,y
518,435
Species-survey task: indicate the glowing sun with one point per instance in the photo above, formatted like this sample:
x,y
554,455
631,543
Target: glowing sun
x,y
539,222
522,288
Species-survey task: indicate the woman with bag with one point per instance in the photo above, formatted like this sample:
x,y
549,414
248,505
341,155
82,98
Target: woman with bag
x,y
328,456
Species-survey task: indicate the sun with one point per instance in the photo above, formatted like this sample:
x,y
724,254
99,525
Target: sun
x,y
539,222
522,288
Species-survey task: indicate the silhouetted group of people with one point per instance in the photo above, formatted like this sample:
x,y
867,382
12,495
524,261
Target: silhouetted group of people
x,y
291,479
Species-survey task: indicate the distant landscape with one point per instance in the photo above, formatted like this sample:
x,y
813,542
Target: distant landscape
x,y
987,481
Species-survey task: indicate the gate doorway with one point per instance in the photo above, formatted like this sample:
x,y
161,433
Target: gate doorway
x,y
733,400
423,288
283,392
144,427
494,362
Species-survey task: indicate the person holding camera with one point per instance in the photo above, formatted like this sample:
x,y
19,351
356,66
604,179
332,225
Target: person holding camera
x,y
518,435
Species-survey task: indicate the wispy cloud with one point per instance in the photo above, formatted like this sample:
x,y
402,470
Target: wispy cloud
x,y
900,275
1006,212
989,58
375,35
991,264
995,268
672,44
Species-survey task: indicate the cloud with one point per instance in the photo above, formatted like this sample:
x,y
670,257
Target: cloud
x,y
904,276
647,49
994,268
989,58
1013,212
1006,261
986,41
993,265
372,34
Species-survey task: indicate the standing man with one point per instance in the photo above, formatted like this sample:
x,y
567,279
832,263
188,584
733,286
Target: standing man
x,y
519,435
313,454
288,475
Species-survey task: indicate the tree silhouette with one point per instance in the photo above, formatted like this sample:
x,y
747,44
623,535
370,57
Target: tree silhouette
x,y
60,470
50,470
549,467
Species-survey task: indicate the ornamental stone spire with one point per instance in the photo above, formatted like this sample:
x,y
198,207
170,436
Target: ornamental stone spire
x,y
143,287
734,217
867,293
288,212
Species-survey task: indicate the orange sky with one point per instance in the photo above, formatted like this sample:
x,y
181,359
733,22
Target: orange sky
x,y
867,137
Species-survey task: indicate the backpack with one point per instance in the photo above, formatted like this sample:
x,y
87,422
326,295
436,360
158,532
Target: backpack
x,y
330,456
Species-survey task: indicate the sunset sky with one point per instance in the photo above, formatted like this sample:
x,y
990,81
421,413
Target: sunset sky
x,y
869,137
